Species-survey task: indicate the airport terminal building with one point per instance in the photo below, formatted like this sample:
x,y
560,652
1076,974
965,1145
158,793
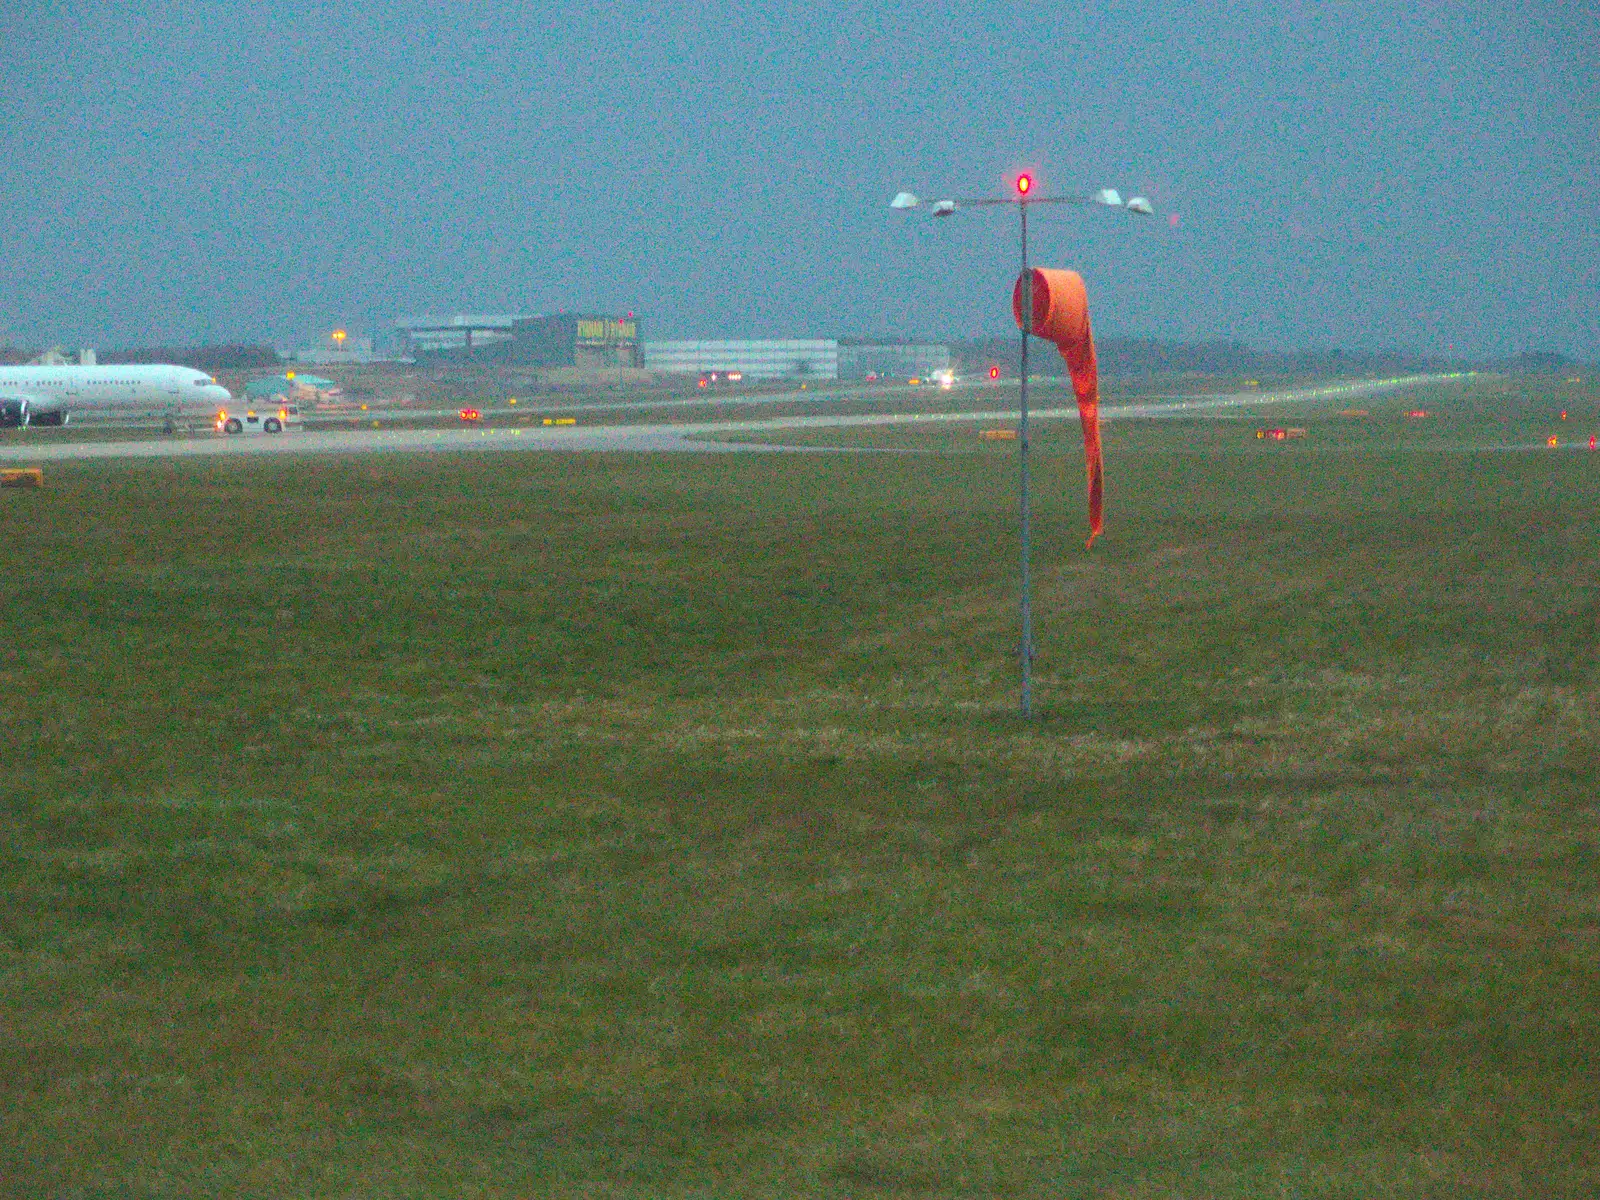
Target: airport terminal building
x,y
589,340
800,358
524,339
756,358
859,358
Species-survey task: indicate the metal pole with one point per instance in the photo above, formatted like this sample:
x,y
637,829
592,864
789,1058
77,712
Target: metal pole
x,y
1022,437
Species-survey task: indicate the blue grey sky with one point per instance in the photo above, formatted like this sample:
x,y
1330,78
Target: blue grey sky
x,y
1364,175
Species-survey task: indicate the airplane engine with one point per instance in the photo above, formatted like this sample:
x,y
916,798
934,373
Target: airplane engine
x,y
13,412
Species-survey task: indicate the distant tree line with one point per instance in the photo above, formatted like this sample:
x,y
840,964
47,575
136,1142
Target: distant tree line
x,y
972,357
230,356
1153,356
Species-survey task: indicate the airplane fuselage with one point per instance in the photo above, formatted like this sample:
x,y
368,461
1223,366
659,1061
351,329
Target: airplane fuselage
x,y
48,395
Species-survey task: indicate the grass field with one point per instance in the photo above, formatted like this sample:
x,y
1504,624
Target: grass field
x,y
617,826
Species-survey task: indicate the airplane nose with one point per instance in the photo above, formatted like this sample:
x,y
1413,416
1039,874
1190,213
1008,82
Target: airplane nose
x,y
218,394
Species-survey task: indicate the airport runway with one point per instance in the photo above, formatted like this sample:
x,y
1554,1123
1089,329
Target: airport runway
x,y
689,436
646,438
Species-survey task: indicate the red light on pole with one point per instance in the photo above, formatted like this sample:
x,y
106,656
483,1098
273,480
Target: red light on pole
x,y
1024,184
994,372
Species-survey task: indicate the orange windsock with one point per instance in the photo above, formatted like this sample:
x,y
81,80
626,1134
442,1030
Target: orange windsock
x,y
1061,314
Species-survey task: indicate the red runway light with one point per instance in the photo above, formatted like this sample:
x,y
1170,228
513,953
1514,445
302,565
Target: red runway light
x,y
994,372
1024,184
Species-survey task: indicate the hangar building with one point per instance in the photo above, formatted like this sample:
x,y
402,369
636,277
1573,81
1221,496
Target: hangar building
x,y
530,339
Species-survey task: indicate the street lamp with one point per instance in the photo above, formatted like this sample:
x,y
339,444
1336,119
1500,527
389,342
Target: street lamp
x,y
1025,197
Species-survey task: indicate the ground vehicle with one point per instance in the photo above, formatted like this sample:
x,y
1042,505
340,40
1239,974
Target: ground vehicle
x,y
263,420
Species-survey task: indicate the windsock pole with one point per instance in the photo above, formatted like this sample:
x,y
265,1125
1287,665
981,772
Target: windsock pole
x,y
1068,326
1026,650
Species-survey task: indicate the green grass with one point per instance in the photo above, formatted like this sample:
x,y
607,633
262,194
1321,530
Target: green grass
x,y
640,826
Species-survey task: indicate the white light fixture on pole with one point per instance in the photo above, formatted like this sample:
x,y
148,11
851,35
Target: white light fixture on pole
x,y
1024,198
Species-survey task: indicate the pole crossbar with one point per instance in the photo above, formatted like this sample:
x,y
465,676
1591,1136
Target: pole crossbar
x,y
986,201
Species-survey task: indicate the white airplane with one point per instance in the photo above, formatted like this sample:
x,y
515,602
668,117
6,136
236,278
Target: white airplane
x,y
48,395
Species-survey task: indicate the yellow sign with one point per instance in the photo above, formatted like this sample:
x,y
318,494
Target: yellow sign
x,y
606,329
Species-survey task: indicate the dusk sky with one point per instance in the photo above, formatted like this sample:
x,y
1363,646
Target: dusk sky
x,y
1362,175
